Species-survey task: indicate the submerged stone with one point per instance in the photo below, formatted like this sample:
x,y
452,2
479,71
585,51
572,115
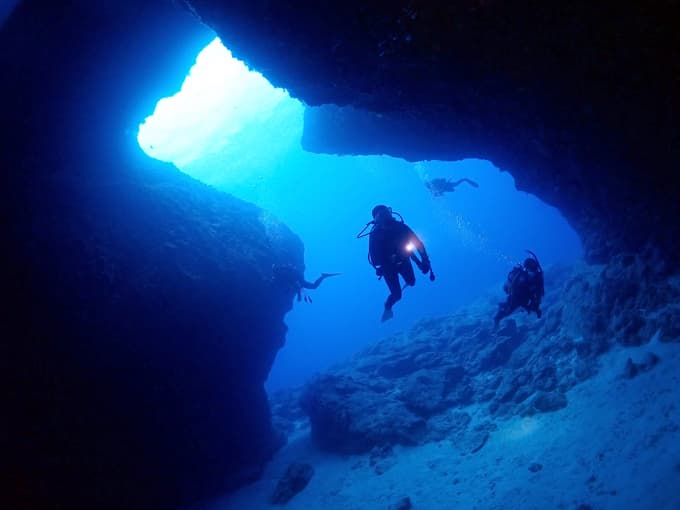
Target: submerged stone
x,y
294,480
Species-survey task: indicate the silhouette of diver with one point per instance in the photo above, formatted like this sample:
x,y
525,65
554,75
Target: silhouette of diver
x,y
524,288
391,248
440,185
291,278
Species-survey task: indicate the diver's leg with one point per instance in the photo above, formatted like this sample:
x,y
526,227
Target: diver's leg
x,y
451,185
499,314
535,306
392,281
406,271
317,282
314,285
504,309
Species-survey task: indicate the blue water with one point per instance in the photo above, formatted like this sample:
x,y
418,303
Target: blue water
x,y
473,235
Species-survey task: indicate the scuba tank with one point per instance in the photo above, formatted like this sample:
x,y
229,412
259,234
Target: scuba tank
x,y
370,227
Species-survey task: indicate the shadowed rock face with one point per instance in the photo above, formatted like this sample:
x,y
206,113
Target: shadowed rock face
x,y
141,319
578,101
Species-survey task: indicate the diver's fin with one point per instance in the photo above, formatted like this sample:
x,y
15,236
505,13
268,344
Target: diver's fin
x,y
387,315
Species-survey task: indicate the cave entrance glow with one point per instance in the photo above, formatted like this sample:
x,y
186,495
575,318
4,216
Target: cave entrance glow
x,y
222,106
230,128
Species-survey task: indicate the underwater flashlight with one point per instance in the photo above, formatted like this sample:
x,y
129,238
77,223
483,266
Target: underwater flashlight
x,y
410,247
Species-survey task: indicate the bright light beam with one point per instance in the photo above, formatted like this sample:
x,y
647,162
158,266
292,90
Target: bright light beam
x,y
219,98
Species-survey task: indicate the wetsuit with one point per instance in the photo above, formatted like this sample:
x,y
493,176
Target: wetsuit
x,y
389,253
524,289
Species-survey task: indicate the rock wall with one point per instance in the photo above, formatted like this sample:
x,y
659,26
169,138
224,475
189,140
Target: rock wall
x,y
578,101
140,317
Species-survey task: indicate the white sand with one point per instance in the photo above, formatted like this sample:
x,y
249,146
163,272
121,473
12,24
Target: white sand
x,y
615,446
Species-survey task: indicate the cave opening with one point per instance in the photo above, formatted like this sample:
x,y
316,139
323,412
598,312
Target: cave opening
x,y
230,128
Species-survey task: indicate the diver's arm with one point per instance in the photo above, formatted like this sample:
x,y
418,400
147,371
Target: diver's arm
x,y
469,181
425,260
418,245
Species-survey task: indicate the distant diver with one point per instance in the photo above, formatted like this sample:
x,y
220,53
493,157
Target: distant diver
x,y
391,247
440,185
524,288
290,278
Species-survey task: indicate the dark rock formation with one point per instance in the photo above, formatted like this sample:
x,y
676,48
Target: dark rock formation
x,y
140,321
294,480
403,504
578,101
633,368
535,467
473,440
544,402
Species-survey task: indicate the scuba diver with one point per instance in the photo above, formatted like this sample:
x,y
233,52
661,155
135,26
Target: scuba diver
x,y
391,247
524,288
439,185
289,277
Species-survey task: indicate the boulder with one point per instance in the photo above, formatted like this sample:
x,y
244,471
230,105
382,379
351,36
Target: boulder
x,y
293,481
347,416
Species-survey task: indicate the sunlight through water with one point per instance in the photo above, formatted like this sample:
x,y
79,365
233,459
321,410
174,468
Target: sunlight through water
x,y
220,101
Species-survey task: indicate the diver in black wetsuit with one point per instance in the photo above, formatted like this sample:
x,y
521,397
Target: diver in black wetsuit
x,y
392,245
524,288
291,278
439,185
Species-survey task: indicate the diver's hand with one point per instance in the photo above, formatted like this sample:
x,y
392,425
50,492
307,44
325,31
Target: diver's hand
x,y
379,271
425,266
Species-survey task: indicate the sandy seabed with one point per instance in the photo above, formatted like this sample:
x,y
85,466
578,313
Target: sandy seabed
x,y
615,446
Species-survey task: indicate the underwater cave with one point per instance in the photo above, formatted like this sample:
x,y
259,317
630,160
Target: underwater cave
x,y
151,359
